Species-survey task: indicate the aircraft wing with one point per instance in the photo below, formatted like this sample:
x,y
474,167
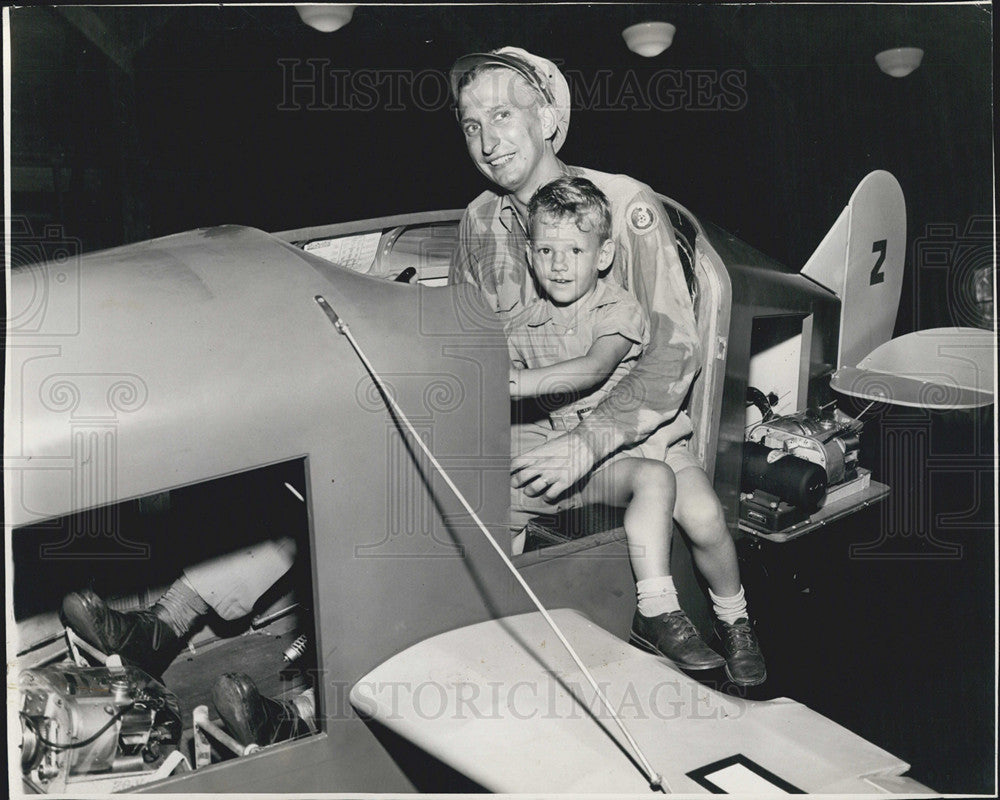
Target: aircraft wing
x,y
493,700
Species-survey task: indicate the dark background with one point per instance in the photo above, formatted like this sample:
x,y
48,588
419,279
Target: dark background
x,y
129,123
136,122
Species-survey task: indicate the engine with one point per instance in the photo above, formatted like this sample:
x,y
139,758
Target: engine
x,y
793,463
830,440
78,721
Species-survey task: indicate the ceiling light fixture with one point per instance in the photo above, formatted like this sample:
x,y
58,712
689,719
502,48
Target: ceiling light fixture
x,y
899,61
324,17
649,38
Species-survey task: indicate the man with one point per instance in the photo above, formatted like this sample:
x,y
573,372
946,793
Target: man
x,y
514,111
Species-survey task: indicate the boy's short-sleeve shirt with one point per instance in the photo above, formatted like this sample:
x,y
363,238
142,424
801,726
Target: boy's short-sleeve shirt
x,y
543,335
491,254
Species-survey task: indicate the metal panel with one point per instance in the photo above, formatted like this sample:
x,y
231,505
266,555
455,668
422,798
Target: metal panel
x,y
760,288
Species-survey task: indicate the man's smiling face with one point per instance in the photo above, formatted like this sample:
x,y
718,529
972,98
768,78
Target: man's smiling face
x,y
504,126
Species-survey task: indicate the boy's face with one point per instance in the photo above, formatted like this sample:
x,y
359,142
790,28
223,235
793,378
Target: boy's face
x,y
567,261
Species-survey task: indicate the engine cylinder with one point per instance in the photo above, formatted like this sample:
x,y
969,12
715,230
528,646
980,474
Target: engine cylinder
x,y
790,478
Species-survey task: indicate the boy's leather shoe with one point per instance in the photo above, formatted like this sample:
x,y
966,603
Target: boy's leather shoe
x,y
744,660
141,638
674,635
252,718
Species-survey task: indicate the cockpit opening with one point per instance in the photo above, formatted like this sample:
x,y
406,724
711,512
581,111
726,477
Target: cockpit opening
x,y
128,553
420,254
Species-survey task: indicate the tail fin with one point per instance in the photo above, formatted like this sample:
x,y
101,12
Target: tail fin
x,y
861,261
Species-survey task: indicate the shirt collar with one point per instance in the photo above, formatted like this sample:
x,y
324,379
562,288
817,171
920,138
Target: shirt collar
x,y
507,212
540,312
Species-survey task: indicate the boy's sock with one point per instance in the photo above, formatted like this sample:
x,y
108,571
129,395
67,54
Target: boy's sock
x,y
729,609
180,606
657,596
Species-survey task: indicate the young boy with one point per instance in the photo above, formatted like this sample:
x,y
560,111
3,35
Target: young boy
x,y
569,348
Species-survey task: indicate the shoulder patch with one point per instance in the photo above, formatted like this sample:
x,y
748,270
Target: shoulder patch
x,y
641,217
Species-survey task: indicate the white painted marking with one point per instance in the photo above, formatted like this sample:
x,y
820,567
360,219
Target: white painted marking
x,y
737,779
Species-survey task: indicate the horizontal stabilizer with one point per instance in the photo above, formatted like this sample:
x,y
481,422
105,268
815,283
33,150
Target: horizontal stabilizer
x,y
940,368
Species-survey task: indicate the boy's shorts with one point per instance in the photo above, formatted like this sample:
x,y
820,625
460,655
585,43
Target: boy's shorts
x,y
670,444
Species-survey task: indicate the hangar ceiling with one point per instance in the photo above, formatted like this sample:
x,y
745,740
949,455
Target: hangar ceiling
x,y
136,121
